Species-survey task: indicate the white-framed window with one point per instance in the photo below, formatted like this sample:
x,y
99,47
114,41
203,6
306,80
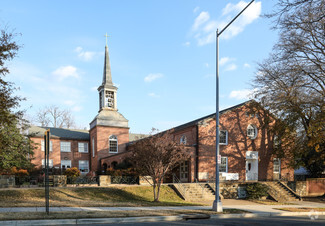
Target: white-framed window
x,y
251,131
276,165
93,146
50,163
183,140
223,167
43,145
65,164
223,137
84,166
113,144
65,146
83,147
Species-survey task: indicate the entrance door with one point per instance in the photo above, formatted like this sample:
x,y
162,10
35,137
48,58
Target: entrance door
x,y
183,171
251,169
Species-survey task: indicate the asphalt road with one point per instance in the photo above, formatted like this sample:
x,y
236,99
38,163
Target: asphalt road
x,y
304,220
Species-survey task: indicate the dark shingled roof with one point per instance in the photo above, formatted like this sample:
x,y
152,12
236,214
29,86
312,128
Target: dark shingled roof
x,y
71,134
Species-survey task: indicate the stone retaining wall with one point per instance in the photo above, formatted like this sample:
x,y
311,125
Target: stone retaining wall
x,y
7,181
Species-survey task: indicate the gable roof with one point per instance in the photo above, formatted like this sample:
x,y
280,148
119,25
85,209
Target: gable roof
x,y
195,122
62,133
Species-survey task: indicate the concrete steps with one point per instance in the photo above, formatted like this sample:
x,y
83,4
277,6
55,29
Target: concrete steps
x,y
280,192
194,192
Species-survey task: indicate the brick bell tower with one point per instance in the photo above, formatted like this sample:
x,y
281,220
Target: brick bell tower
x,y
109,131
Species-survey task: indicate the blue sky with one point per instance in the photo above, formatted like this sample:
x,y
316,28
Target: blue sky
x,y
162,56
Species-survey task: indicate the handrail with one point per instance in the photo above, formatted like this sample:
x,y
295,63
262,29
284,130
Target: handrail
x,y
178,184
290,190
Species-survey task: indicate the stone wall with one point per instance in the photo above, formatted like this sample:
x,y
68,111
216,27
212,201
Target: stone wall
x,y
300,187
229,190
104,180
7,181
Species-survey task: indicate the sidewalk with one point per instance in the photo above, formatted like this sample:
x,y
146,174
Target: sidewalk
x,y
255,209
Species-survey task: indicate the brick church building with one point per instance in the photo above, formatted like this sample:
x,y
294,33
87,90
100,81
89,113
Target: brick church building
x,y
246,143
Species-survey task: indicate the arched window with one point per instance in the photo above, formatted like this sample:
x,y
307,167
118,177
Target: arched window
x,y
112,144
183,140
251,131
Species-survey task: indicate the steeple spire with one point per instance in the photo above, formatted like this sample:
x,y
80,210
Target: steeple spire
x,y
107,76
107,90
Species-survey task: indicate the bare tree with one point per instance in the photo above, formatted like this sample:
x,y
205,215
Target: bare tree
x,y
157,155
55,117
291,82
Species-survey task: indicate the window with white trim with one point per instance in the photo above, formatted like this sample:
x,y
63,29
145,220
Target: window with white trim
x,y
65,146
251,131
84,166
223,137
50,163
65,164
93,146
183,140
276,165
113,144
82,147
43,145
223,167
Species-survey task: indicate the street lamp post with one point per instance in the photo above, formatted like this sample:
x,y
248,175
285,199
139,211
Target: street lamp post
x,y
217,205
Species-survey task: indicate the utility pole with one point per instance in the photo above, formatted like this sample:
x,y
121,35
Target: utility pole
x,y
217,205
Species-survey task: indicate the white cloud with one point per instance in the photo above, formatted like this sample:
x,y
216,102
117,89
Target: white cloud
x,y
69,102
204,29
231,67
186,44
241,94
85,55
152,77
206,65
200,19
196,9
76,108
225,60
246,65
153,95
94,88
65,72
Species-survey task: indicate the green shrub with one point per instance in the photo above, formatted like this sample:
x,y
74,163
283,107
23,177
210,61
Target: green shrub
x,y
72,174
256,190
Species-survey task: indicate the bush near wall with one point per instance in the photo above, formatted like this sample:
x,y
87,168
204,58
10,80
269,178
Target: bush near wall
x,y
256,191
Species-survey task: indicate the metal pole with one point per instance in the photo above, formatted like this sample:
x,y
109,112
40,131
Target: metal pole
x,y
217,205
47,159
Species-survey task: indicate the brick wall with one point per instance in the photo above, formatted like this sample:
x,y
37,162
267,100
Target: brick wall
x,y
101,136
56,155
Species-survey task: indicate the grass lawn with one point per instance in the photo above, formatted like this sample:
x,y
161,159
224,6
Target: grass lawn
x,y
302,209
105,214
132,195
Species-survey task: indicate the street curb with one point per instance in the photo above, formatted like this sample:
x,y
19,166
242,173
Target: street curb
x,y
147,219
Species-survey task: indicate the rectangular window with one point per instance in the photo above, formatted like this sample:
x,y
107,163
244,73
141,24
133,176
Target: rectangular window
x,y
93,147
50,163
83,147
113,146
65,146
43,145
223,137
276,165
223,167
65,164
84,166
